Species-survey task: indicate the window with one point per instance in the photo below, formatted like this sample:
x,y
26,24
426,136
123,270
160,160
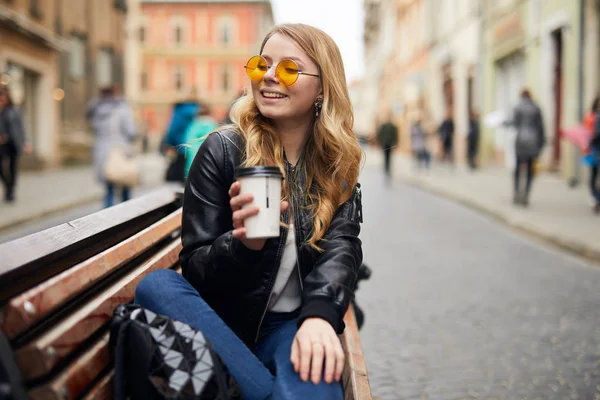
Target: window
x,y
226,31
225,35
142,34
178,77
144,80
77,57
179,30
35,10
178,34
226,80
104,70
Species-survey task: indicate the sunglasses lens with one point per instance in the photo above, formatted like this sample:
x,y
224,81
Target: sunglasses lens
x,y
256,68
287,72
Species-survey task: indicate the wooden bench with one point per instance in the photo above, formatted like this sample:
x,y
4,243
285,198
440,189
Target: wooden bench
x,y
59,287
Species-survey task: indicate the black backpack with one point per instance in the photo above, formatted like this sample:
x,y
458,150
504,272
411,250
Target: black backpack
x,y
160,358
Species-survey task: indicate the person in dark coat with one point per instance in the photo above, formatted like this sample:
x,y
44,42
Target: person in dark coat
x,y
529,143
13,142
446,132
473,140
387,137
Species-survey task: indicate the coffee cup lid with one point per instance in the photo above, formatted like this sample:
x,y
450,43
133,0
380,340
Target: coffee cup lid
x,y
258,171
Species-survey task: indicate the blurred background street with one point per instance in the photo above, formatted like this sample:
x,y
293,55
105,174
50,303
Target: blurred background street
x,y
480,289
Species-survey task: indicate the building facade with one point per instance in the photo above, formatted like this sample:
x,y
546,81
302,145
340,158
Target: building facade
x,y
535,44
380,23
196,49
29,55
54,55
454,74
451,57
403,85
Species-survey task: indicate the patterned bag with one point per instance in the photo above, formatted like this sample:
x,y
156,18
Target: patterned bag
x,y
160,358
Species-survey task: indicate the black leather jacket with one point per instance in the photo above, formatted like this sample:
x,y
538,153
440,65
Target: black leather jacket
x,y
236,281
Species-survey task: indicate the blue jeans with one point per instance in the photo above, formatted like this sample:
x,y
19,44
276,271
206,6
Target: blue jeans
x,y
110,194
265,372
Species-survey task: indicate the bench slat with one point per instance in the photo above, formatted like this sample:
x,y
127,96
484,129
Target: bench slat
x,y
32,259
32,306
103,389
38,357
71,382
356,381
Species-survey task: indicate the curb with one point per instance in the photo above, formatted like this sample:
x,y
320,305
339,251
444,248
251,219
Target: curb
x,y
49,212
70,204
575,248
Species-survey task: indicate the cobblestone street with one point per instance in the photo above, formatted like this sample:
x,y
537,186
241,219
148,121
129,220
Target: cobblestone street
x,y
460,307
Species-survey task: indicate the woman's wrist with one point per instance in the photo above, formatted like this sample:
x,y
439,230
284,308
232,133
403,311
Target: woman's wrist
x,y
323,309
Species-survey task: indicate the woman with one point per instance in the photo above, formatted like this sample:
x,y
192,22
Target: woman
x,y
12,143
114,125
529,144
273,308
592,123
202,125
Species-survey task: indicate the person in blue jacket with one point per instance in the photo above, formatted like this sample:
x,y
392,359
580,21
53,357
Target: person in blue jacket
x,y
173,145
202,125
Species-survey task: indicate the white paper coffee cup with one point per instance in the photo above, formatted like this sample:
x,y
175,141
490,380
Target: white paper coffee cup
x,y
265,185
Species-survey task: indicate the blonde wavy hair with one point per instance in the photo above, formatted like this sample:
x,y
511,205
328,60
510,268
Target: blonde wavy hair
x,y
331,157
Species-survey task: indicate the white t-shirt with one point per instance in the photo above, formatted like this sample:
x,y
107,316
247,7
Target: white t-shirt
x,y
287,295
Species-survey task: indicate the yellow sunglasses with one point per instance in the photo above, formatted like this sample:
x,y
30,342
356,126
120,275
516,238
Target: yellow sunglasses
x,y
287,71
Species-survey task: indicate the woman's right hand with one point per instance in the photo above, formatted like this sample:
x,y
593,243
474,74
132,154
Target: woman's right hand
x,y
238,201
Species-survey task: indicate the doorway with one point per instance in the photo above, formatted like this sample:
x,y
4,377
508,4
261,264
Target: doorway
x,y
557,71
23,86
510,80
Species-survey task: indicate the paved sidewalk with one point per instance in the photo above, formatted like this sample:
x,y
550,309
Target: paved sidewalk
x,y
557,213
43,193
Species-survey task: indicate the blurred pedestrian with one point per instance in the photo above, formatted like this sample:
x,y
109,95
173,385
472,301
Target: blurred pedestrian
x,y
446,133
593,119
13,142
473,140
387,138
589,119
113,123
418,143
202,125
173,144
529,143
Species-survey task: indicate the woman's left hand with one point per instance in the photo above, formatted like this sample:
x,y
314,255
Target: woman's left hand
x,y
316,344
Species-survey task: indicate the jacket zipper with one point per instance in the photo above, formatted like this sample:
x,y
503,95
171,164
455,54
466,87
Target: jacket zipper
x,y
272,280
298,244
277,262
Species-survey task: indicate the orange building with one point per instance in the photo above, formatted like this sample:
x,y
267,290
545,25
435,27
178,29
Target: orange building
x,y
195,48
403,87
